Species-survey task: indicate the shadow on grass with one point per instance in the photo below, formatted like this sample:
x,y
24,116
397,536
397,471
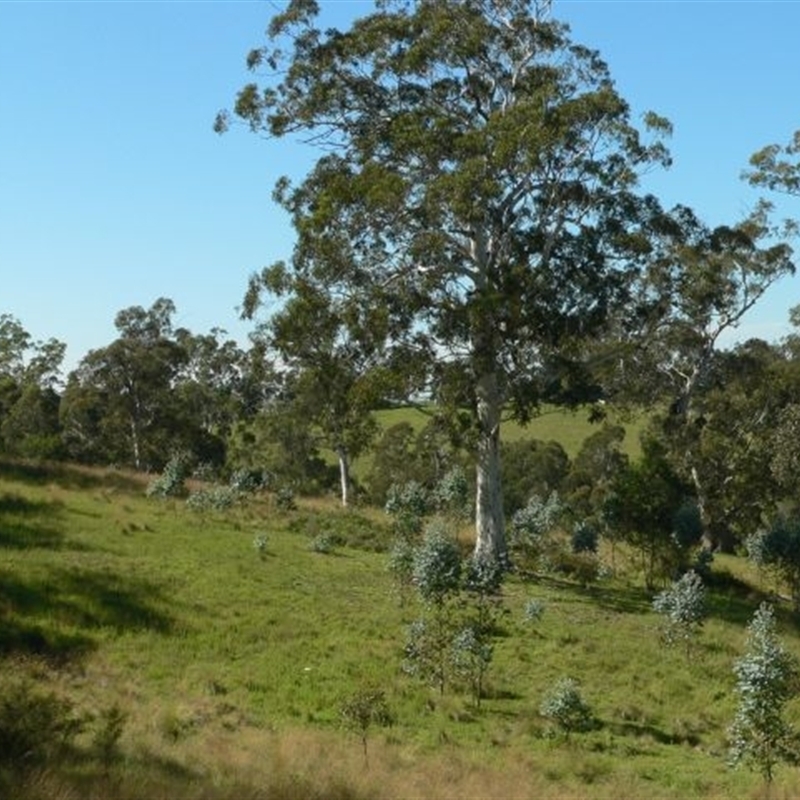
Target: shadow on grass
x,y
68,476
641,730
28,524
21,525
729,598
621,599
56,616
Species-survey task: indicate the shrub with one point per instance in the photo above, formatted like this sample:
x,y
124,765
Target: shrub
x,y
583,567
766,679
218,498
584,538
172,481
401,566
531,466
450,496
533,610
423,654
565,706
248,481
683,607
530,525
284,499
34,728
409,504
437,565
647,507
260,545
323,543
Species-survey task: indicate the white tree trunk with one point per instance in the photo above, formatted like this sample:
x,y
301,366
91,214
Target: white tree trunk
x,y
344,475
490,542
137,456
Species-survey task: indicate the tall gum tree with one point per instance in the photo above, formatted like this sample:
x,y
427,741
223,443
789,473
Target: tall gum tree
x,y
477,182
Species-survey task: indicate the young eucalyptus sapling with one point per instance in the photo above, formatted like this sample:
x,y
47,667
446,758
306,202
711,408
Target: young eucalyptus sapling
x,y
766,679
683,608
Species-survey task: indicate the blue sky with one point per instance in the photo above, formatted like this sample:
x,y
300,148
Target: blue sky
x,y
114,190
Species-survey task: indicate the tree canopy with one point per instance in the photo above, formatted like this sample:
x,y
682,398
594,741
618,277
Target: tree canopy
x,y
475,196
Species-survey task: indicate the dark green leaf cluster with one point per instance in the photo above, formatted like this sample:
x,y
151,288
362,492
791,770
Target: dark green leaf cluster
x,y
778,548
35,728
584,537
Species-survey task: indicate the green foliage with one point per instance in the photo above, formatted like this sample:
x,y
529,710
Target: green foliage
x,y
683,607
284,499
280,442
409,504
437,565
323,544
531,467
531,526
248,481
473,647
776,167
436,575
362,710
260,544
584,537
451,495
645,501
778,548
595,465
401,566
471,654
268,666
766,679
35,728
785,446
564,705
533,610
392,461
424,653
110,727
31,427
436,240
217,498
333,380
172,481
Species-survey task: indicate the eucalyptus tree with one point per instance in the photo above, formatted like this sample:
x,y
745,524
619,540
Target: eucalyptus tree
x,y
777,167
711,278
476,188
217,385
122,395
29,382
333,378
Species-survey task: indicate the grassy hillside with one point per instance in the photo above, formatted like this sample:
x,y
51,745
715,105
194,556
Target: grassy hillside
x,y
231,664
569,428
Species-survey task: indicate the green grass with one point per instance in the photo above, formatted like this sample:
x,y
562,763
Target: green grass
x,y
569,428
231,665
